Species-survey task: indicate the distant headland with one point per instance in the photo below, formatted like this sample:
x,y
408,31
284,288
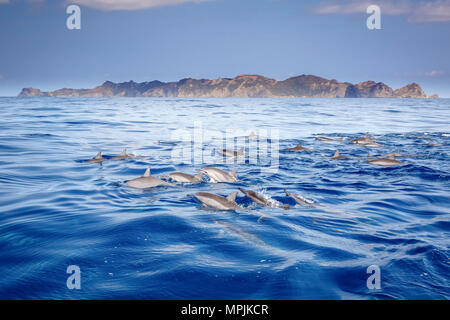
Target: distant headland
x,y
242,86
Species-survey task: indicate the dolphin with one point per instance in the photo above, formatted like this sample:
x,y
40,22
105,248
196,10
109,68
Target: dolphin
x,y
363,140
338,156
260,199
147,181
253,136
326,139
218,202
299,199
391,155
123,155
397,155
386,162
309,203
185,178
97,159
217,175
371,145
366,141
298,148
231,153
250,237
432,144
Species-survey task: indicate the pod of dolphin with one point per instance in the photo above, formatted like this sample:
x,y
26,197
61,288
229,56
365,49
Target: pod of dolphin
x,y
217,175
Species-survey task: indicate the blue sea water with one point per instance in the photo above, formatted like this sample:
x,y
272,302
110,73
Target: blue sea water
x,y
56,210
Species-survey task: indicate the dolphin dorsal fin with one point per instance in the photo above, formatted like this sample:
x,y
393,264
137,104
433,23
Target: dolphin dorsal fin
x,y
366,135
98,156
336,154
299,145
287,192
124,152
147,172
233,173
391,157
232,197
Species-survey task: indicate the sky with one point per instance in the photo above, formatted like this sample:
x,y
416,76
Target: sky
x,y
168,40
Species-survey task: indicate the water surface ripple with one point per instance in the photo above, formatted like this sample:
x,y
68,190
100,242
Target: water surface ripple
x,y
56,210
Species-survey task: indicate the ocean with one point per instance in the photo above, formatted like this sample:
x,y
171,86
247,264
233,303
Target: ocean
x,y
57,210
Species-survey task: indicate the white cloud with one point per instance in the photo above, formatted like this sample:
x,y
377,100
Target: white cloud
x,y
434,73
113,5
4,1
354,6
430,11
437,11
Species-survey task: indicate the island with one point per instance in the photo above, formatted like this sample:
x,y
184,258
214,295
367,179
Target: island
x,y
242,86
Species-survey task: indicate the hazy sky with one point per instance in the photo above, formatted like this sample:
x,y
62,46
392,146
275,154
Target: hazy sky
x,y
173,39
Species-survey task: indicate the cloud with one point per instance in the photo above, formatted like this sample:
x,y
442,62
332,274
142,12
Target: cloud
x,y
430,11
114,5
354,6
437,11
434,73
4,1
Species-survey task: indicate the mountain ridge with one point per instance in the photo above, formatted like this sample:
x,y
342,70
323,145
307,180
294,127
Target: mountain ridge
x,y
242,86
